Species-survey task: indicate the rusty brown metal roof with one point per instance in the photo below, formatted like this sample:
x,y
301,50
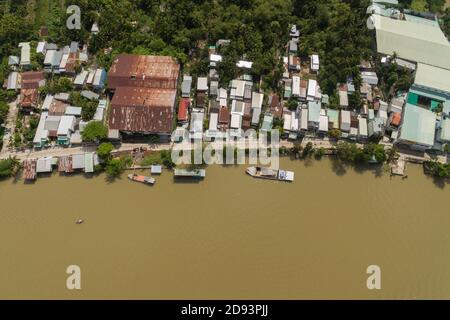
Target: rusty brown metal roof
x,y
224,115
57,108
31,79
28,98
151,97
144,71
145,110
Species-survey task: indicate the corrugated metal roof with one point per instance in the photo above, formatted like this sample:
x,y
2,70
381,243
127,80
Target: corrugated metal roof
x,y
412,41
433,77
418,126
145,71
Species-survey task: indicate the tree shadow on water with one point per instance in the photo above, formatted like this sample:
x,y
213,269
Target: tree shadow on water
x,y
338,167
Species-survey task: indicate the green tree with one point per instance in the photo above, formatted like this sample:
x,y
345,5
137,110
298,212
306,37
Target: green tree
x,y
94,131
104,151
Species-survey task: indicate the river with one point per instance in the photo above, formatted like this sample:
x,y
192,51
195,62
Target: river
x,y
229,236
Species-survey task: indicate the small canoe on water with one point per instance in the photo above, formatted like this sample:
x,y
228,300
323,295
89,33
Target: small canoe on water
x,y
141,179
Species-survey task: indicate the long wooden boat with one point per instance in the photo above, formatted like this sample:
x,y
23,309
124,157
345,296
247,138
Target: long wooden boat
x,y
141,179
194,173
270,174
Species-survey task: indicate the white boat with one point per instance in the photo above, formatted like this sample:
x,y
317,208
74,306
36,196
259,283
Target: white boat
x,y
270,174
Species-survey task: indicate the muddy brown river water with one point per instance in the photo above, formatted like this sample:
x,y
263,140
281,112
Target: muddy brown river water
x,y
229,236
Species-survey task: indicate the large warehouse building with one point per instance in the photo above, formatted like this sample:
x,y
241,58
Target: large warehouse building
x,y
145,89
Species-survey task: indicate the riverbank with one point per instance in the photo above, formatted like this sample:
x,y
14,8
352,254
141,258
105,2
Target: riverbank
x,y
306,148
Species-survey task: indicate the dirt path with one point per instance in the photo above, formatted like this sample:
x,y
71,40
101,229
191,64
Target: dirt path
x,y
10,125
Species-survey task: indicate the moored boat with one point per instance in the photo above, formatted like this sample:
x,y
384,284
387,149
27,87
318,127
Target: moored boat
x,y
141,178
194,173
270,174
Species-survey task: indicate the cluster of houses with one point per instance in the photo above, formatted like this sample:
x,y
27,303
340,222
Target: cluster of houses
x,y
81,162
214,109
60,122
150,98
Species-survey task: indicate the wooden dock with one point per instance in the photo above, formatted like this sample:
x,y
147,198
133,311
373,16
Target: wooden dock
x,y
65,164
398,167
29,169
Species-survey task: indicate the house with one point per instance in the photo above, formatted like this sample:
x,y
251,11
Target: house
x,y
323,123
99,79
294,63
236,121
224,118
25,55
13,61
312,90
52,60
248,92
293,46
213,122
62,96
65,129
186,86
78,161
443,133
41,135
304,120
345,120
396,104
287,120
267,123
333,119
143,71
183,110
44,165
315,64
296,86
257,101
294,32
13,82
47,102
314,108
275,106
89,95
343,96
242,64
196,127
369,77
29,93
73,111
201,100
95,29
80,79
418,127
90,77
214,88
214,60
303,89
287,88
213,75
57,108
237,89
202,84
375,127
362,128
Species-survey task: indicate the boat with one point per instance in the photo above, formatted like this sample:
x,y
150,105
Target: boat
x,y
194,173
79,221
141,178
270,174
